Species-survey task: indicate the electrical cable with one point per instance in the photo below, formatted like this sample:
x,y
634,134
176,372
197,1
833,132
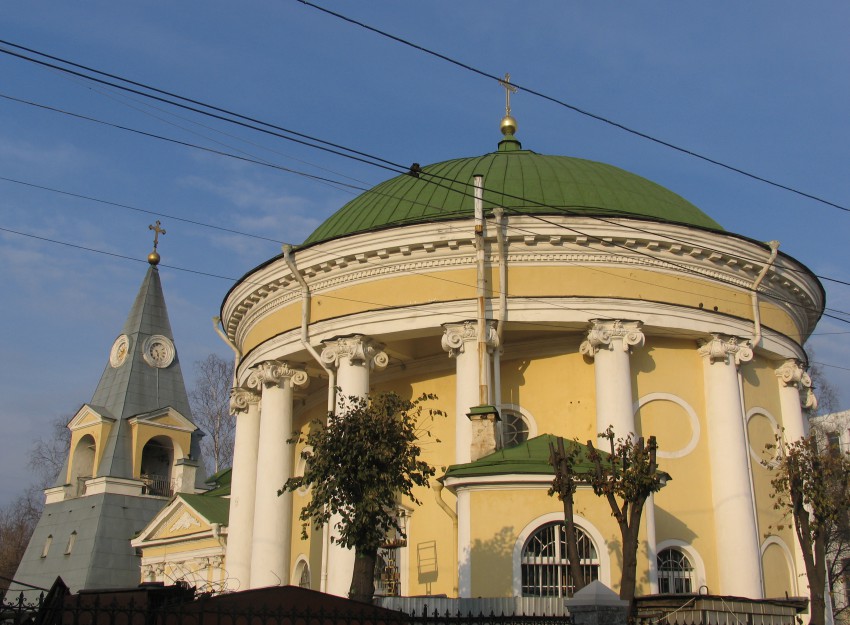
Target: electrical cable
x,y
576,109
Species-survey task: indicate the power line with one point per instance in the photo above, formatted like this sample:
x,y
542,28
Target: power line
x,y
576,109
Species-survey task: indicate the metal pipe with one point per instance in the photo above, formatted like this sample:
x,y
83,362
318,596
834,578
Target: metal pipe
x,y
437,487
483,377
237,355
305,321
754,296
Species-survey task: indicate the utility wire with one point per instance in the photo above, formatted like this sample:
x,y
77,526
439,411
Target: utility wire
x,y
576,109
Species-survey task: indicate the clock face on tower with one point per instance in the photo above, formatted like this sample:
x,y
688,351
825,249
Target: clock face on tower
x,y
118,354
158,351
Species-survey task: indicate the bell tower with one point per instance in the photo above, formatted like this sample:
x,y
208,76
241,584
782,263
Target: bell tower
x,y
132,448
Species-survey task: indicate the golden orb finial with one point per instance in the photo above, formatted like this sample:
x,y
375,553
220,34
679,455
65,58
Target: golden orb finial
x,y
153,258
508,125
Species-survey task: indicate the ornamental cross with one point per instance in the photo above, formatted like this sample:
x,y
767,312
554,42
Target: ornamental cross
x,y
509,89
157,231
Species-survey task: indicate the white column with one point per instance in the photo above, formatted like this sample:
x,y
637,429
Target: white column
x,y
792,379
460,341
609,343
735,526
245,404
354,358
272,513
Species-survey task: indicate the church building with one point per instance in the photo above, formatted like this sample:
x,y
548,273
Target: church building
x,y
569,295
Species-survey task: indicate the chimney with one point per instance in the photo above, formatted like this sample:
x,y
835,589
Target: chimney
x,y
483,420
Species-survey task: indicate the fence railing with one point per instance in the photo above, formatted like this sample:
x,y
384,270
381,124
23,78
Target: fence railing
x,y
157,485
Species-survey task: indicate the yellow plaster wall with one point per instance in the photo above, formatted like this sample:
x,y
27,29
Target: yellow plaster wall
x,y
181,549
558,391
777,574
683,509
523,281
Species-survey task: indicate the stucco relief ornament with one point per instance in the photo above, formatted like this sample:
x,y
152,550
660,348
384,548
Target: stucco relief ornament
x,y
611,335
792,373
242,398
456,335
185,521
720,349
358,350
278,372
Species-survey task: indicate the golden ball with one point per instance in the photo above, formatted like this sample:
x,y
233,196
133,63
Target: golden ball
x,y
508,125
153,258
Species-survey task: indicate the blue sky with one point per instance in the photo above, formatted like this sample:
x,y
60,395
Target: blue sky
x,y
759,85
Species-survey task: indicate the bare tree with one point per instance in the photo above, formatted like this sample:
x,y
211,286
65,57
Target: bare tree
x,y
48,453
17,522
210,399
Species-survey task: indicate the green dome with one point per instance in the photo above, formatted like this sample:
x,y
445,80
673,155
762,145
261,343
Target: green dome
x,y
518,180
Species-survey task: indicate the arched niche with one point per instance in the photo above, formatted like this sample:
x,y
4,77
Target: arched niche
x,y
82,464
157,466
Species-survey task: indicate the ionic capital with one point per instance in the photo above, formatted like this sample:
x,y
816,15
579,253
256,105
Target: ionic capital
x,y
612,334
279,373
457,335
792,373
358,350
242,398
720,348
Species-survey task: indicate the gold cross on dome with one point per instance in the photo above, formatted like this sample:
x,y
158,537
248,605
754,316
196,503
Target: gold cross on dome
x,y
157,231
509,89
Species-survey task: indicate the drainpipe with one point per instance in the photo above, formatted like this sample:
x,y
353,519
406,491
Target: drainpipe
x,y
237,355
754,297
437,487
483,377
499,213
305,320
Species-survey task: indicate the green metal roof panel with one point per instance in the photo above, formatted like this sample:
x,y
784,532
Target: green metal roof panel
x,y
517,180
213,509
530,457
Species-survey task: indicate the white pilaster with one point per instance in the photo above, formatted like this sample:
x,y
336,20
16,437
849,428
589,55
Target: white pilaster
x,y
245,404
460,341
272,513
792,378
354,358
736,529
609,343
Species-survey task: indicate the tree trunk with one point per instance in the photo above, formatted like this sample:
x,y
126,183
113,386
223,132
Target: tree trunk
x,y
363,579
572,546
629,578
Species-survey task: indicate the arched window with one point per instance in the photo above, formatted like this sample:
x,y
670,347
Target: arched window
x,y
514,429
157,458
544,562
302,574
72,539
47,544
82,464
675,572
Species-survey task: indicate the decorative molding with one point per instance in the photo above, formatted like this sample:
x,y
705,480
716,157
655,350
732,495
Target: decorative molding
x,y
754,453
242,398
184,522
434,246
606,332
722,347
120,349
689,411
792,373
359,350
457,335
278,373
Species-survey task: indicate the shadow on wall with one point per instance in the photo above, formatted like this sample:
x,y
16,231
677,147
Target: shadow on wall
x,y
493,564
427,567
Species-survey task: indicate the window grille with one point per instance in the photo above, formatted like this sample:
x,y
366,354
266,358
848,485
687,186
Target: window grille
x,y
387,572
675,572
514,429
544,562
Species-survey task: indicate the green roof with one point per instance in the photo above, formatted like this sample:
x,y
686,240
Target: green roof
x,y
521,181
220,483
530,458
213,509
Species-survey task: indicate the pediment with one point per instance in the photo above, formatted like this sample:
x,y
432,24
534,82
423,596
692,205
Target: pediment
x,y
86,416
175,520
166,418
